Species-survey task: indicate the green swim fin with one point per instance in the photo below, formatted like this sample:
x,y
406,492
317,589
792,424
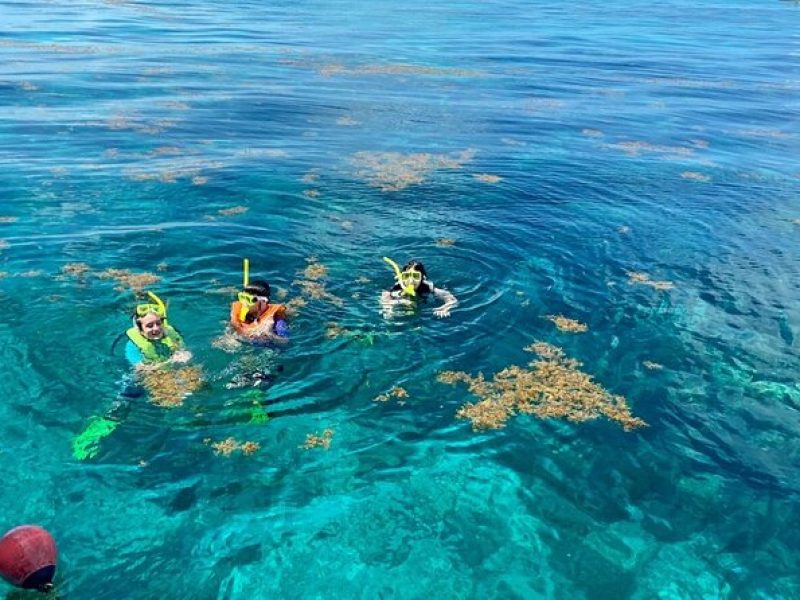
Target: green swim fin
x,y
87,443
258,414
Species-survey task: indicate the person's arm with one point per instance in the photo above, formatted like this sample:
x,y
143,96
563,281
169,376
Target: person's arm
x,y
133,355
449,302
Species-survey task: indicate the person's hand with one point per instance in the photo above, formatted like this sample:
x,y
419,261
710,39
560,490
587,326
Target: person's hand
x,y
181,356
264,327
442,311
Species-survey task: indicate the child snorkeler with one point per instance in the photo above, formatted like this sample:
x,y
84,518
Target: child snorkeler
x,y
152,343
257,322
412,284
254,318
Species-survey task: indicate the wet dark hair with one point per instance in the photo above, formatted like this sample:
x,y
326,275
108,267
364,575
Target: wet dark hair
x,y
416,266
259,287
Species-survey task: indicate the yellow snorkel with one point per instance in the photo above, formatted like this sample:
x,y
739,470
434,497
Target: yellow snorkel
x,y
245,282
407,289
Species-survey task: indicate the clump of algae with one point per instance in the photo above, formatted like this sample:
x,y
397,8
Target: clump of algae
x,y
312,287
695,176
396,392
445,242
315,269
135,281
553,387
232,211
394,171
652,366
567,325
230,445
334,330
169,387
318,441
77,269
644,279
487,178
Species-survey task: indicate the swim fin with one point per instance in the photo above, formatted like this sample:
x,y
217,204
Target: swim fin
x,y
87,443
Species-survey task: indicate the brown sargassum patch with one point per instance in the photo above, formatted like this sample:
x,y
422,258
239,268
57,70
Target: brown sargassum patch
x,y
639,278
394,171
396,392
312,287
230,445
169,387
552,387
318,441
135,281
567,325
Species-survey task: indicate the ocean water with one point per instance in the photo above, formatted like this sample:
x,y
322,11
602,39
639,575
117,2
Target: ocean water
x,y
533,155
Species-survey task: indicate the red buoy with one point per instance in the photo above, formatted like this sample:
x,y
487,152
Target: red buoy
x,y
28,557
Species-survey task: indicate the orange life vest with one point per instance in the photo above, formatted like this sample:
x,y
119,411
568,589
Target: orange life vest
x,y
276,311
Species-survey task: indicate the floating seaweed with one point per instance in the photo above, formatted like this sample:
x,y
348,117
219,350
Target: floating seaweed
x,y
445,242
395,392
334,330
76,269
566,324
695,176
281,293
594,133
311,176
552,387
363,279
30,274
394,171
316,291
3,245
294,305
318,441
635,277
232,211
3,274
135,281
347,121
311,193
230,445
227,342
315,270
162,266
199,180
486,178
168,387
635,148
652,366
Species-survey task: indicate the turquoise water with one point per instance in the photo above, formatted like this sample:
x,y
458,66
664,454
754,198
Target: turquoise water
x,y
554,147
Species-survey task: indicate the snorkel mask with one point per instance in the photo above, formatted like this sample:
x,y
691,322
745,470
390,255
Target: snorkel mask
x,y
157,307
408,280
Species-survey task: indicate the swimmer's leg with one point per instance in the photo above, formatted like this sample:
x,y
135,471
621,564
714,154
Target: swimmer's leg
x,y
86,444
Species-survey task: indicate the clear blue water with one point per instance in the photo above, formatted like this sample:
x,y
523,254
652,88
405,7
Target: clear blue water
x,y
627,137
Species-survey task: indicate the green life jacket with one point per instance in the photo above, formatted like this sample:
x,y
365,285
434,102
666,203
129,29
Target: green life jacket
x,y
156,350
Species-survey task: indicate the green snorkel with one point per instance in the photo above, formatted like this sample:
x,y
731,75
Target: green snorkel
x,y
408,290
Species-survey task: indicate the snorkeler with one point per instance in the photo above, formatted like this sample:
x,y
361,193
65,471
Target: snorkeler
x,y
253,317
151,342
412,284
